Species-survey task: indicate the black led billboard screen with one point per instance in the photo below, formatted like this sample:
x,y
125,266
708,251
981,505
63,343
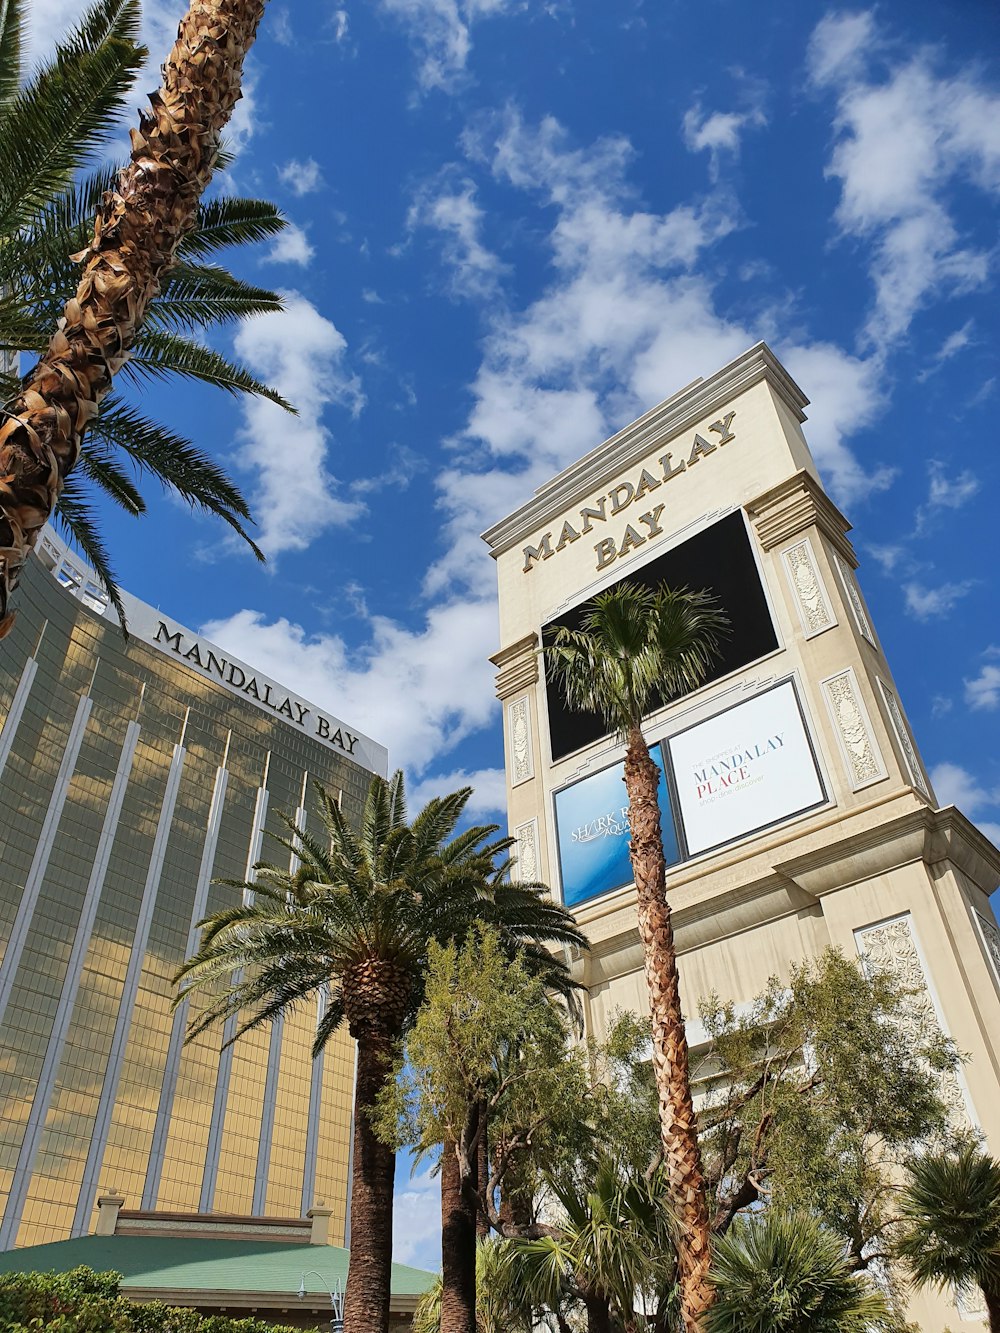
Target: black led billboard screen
x,y
719,560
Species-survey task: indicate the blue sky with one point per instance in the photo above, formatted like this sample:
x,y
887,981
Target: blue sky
x,y
518,225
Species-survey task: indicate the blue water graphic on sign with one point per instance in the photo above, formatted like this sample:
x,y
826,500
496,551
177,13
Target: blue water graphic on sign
x,y
593,834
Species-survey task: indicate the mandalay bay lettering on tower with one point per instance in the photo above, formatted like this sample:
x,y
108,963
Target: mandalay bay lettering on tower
x,y
627,493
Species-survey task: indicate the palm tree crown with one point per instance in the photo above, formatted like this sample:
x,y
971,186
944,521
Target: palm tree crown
x,y
951,1208
783,1273
54,128
635,646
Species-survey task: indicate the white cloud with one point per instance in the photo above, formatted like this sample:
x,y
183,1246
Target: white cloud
x,y
441,31
489,792
903,137
839,47
302,354
421,691
955,785
983,691
291,246
416,1221
626,319
948,492
340,25
925,603
720,131
301,177
449,208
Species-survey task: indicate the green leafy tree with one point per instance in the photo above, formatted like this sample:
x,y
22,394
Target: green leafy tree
x,y
502,1304
951,1221
82,1301
488,1078
358,919
636,647
817,1094
51,128
779,1272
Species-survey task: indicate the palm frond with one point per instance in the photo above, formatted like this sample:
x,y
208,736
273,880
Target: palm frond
x,y
75,516
11,28
196,296
159,353
60,118
227,221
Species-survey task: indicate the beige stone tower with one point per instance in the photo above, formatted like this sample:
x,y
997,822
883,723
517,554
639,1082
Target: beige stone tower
x,y
798,814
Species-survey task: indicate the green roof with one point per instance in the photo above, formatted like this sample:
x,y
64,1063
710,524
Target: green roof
x,y
199,1263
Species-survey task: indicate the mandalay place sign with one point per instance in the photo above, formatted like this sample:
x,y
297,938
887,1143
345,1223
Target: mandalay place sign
x,y
630,494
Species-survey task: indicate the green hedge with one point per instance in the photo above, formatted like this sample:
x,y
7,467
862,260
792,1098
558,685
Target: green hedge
x,y
83,1301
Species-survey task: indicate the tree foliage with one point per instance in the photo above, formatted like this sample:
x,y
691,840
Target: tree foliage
x,y
82,1301
951,1223
816,1094
782,1272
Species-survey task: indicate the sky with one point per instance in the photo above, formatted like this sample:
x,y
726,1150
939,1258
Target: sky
x,y
518,224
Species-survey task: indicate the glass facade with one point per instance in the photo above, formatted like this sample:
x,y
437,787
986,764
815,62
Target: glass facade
x,y
129,782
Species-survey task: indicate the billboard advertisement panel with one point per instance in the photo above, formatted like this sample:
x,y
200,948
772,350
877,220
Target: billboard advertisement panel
x,y
593,836
744,769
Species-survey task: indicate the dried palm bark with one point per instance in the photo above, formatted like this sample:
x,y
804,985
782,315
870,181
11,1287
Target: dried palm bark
x,y
137,232
679,1133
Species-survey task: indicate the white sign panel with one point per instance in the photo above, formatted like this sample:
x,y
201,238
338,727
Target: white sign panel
x,y
749,767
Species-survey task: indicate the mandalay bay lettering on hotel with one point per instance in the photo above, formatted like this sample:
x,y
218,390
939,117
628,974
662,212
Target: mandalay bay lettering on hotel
x,y
626,493
233,675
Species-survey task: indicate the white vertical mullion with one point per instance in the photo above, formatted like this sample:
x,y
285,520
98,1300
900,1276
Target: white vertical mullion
x,y
13,719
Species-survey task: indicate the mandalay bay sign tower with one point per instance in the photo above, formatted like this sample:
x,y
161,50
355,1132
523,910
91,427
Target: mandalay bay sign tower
x,y
797,813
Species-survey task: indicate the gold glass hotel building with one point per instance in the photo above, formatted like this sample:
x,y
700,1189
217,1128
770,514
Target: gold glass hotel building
x,y
797,813
132,776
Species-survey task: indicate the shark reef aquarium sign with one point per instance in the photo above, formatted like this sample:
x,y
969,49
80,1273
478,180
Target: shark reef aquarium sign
x,y
632,495
239,678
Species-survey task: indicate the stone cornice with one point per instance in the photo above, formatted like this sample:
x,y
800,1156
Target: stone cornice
x,y
794,505
797,881
662,422
517,666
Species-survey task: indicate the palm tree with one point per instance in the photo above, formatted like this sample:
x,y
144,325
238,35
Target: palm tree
x,y
636,646
141,223
784,1273
951,1210
502,1303
610,1244
356,920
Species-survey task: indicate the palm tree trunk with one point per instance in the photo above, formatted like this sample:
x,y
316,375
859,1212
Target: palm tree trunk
x,y
685,1182
138,229
458,1247
992,1298
598,1309
482,1173
369,1274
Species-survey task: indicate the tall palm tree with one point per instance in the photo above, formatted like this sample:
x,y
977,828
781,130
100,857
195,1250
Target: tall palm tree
x,y
502,1302
951,1210
784,1273
636,646
141,222
356,920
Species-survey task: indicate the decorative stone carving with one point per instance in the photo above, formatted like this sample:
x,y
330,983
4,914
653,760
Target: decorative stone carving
x,y
526,868
854,600
807,585
991,941
850,717
522,760
892,947
902,731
